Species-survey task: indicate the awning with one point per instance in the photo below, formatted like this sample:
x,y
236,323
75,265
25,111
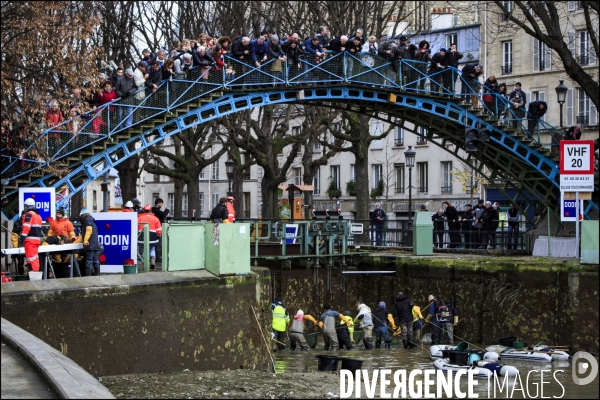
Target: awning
x,y
302,188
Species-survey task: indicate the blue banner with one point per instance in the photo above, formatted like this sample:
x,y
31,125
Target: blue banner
x,y
117,233
44,201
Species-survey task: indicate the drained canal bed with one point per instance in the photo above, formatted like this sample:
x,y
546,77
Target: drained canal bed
x,y
298,377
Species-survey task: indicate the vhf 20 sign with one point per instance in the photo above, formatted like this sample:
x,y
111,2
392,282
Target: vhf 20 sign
x,y
576,166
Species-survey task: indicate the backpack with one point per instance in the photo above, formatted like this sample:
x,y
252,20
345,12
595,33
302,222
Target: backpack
x,y
443,312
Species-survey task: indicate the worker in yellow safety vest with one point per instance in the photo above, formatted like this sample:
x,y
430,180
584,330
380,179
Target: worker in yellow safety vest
x,y
280,321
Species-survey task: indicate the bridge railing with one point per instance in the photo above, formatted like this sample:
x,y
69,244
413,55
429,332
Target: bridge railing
x,y
105,121
335,68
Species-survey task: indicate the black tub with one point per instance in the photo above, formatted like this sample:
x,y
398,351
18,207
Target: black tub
x,y
352,364
328,363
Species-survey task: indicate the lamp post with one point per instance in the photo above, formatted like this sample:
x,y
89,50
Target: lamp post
x,y
409,156
229,169
561,95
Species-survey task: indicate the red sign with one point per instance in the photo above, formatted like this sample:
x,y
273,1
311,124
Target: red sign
x,y
576,157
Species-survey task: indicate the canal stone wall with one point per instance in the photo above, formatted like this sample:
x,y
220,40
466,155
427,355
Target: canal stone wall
x,y
535,299
148,323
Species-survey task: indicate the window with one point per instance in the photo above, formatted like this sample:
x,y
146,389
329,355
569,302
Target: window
x,y
570,107
317,182
215,170
155,196
336,128
542,56
297,176
94,200
156,178
446,177
317,145
538,96
377,175
585,50
184,208
214,200
399,178
246,205
509,7
376,130
575,5
451,38
353,172
335,175
507,58
399,136
171,201
421,136
246,171
296,130
422,177
586,111
201,210
202,174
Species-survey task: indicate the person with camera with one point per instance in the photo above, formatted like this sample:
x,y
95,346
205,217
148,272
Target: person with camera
x,y
203,60
452,56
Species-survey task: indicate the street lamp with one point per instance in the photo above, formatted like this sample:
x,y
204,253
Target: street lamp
x,y
229,170
409,156
561,95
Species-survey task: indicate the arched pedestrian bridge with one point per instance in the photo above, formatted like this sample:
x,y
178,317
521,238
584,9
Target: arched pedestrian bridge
x,y
405,94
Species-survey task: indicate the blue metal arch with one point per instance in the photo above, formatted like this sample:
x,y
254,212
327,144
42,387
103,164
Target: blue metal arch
x,y
237,102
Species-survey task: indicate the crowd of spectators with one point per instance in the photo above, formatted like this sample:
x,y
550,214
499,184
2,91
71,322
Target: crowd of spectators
x,y
208,53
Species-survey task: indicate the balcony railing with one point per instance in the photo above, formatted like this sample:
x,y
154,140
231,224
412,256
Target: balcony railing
x,y
507,69
583,59
447,189
583,119
398,142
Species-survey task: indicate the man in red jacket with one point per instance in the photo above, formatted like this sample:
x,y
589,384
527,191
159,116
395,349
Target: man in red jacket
x,y
31,234
231,209
155,228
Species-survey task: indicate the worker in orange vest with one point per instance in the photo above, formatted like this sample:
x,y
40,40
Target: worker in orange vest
x,y
31,234
155,231
231,209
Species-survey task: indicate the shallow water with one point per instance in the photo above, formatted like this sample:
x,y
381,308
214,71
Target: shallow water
x,y
298,377
557,376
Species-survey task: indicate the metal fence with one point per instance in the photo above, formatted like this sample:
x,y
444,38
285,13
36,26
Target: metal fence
x,y
399,233
409,76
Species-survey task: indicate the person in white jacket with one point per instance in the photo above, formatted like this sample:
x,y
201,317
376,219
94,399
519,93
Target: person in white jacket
x,y
139,76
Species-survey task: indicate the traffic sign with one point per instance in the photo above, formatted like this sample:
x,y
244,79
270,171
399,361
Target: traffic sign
x,y
567,209
576,157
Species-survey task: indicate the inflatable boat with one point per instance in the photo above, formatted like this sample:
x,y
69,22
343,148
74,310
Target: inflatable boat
x,y
538,353
437,350
482,368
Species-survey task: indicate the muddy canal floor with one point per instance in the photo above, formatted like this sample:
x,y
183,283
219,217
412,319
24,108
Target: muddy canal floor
x,y
225,384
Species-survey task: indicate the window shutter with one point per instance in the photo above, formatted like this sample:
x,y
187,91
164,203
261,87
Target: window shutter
x,y
593,115
548,59
542,97
571,43
536,55
591,52
570,108
571,6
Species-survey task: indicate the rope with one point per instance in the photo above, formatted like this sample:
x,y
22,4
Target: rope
x,y
458,337
265,340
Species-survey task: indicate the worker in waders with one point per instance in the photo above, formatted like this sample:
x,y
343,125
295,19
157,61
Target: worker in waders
x,y
345,332
381,317
280,321
31,234
417,324
403,307
435,319
327,323
297,330
366,323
